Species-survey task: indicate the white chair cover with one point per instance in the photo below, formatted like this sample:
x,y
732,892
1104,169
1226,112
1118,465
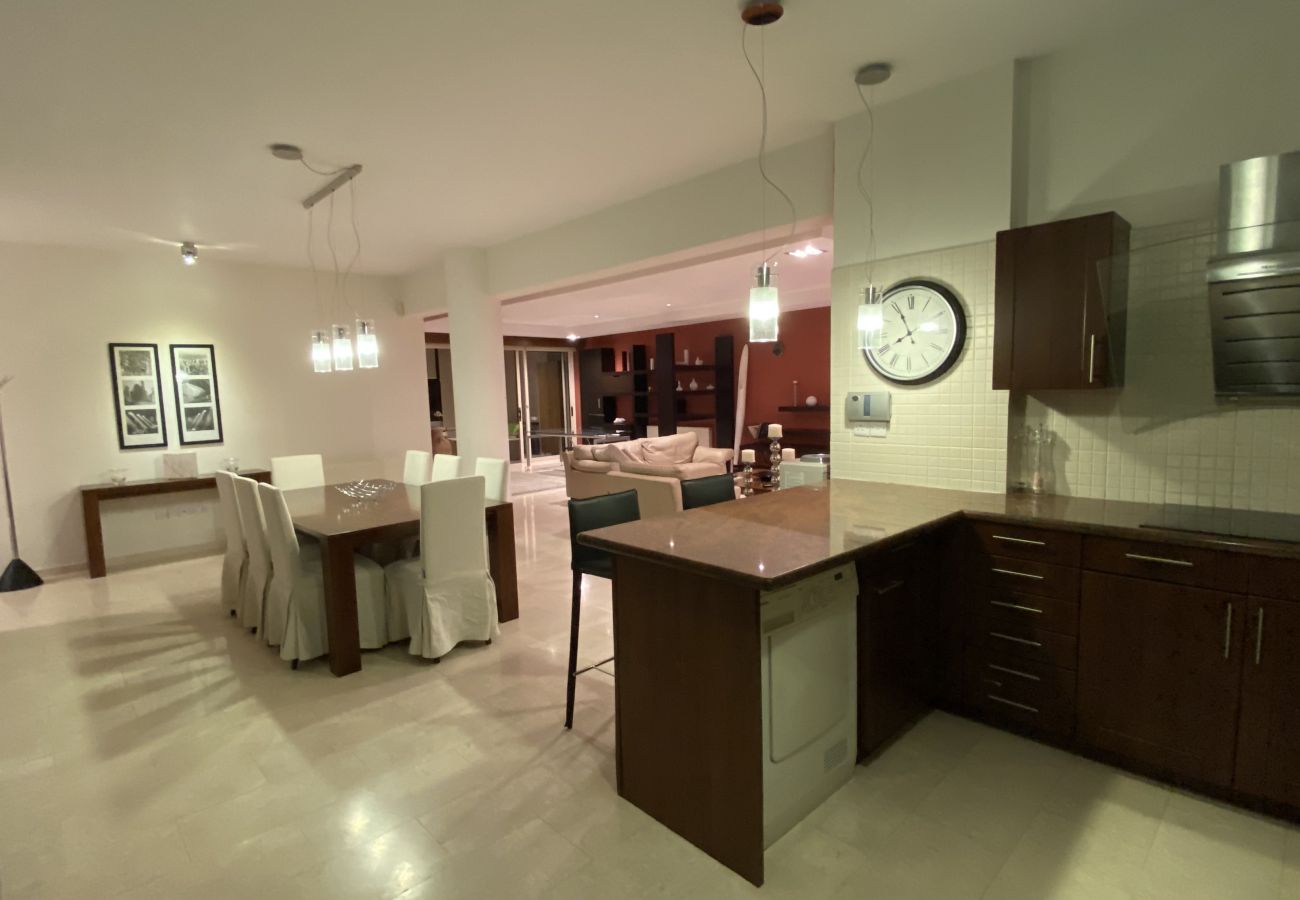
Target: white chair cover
x,y
295,601
418,466
497,474
446,465
236,560
257,574
291,472
447,594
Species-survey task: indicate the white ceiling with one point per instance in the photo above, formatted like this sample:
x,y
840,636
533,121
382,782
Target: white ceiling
x,y
704,292
476,120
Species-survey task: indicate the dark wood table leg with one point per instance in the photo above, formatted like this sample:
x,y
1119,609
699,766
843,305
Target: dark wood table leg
x,y
94,535
501,560
341,605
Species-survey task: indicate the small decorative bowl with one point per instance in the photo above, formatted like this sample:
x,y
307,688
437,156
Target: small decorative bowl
x,y
230,464
117,476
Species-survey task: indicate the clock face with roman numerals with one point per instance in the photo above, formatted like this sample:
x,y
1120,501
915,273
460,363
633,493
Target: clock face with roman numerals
x,y
922,332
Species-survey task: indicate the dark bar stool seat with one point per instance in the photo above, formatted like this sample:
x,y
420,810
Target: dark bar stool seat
x,y
586,515
708,490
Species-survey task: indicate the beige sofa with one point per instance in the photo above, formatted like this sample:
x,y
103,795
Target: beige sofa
x,y
653,467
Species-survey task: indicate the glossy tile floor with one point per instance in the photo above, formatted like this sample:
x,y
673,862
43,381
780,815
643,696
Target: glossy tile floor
x,y
149,748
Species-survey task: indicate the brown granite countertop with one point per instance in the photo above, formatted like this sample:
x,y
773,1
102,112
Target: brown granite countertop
x,y
773,539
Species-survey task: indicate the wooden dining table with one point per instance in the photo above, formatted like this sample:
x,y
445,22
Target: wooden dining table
x,y
342,524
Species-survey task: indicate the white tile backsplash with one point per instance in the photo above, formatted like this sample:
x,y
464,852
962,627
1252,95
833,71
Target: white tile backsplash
x,y
1165,438
949,433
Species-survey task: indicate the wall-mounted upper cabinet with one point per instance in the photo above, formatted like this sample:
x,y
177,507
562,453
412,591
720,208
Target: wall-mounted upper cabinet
x,y
1060,304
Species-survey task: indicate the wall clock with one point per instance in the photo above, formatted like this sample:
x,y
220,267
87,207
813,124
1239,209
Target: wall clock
x,y
922,333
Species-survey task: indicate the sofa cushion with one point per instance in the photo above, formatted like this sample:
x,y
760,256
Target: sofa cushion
x,y
673,448
583,451
592,465
674,470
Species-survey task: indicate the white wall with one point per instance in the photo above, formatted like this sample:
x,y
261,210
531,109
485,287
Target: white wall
x,y
1140,121
61,307
942,169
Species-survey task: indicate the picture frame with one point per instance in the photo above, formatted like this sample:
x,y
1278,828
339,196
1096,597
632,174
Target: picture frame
x,y
198,395
137,396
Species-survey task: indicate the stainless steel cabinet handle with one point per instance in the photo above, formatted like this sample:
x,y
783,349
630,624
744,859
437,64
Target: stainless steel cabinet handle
x,y
1227,633
1016,540
1021,607
1259,634
1004,670
1015,640
1018,574
1092,355
1005,702
1162,560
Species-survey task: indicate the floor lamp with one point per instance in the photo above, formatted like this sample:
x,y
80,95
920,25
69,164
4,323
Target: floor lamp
x,y
18,576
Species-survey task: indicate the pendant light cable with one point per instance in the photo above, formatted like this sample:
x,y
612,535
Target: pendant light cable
x,y
356,235
329,241
311,260
864,185
761,78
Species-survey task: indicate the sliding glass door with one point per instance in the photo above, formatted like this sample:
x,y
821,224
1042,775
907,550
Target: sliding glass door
x,y
539,402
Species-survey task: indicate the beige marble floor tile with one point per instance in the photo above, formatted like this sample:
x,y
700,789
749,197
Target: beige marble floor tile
x,y
154,750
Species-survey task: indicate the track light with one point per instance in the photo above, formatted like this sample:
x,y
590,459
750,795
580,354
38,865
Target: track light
x,y
189,253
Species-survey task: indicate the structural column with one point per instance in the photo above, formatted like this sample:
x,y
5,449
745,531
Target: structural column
x,y
477,360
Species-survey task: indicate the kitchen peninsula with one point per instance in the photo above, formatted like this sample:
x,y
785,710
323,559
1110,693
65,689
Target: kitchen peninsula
x,y
1099,626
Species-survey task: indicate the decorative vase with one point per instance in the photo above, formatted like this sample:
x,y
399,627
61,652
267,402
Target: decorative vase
x,y
811,401
694,385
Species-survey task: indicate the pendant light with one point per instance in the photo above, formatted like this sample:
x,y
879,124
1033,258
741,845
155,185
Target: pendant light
x,y
764,299
870,310
367,344
342,348
322,359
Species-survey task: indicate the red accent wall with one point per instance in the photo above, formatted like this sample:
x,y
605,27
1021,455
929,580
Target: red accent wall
x,y
806,339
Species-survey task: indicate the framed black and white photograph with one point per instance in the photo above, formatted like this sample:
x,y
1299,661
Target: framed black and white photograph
x,y
137,398
198,401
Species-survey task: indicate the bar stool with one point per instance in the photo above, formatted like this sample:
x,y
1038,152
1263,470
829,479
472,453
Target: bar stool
x,y
585,515
708,490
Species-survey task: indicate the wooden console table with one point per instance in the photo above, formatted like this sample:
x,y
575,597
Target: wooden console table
x,y
93,494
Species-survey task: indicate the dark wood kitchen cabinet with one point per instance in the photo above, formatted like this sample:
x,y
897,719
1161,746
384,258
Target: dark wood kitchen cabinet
x,y
1268,742
896,641
1060,302
1159,678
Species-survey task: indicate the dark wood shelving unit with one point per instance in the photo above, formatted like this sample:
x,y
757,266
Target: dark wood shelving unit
x,y
670,404
819,408
601,385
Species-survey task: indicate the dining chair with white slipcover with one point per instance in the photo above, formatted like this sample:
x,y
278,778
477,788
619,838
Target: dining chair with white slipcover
x,y
257,573
236,558
497,474
295,600
418,468
292,472
446,594
446,465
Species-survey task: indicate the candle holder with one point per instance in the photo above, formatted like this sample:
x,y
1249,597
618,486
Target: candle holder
x,y
747,480
774,457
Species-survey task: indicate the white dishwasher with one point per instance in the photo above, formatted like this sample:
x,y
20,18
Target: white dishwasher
x,y
810,695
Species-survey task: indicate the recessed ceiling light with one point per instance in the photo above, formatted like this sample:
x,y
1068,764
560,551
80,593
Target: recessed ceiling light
x,y
189,253
570,337
667,304
596,317
805,251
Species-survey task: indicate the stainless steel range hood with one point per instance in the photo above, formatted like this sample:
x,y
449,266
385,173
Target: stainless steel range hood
x,y
1255,278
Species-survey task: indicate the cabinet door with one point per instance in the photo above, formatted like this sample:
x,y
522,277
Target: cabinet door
x,y
1268,747
895,643
1160,675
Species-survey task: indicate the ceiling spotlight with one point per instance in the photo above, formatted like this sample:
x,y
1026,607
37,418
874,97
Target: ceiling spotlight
x,y
189,253
291,152
874,73
596,316
805,251
570,337
667,305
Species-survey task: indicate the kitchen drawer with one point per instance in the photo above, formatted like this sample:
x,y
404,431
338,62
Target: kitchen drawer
x,y
998,606
1026,576
1035,696
1276,578
1026,642
1061,548
1196,566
